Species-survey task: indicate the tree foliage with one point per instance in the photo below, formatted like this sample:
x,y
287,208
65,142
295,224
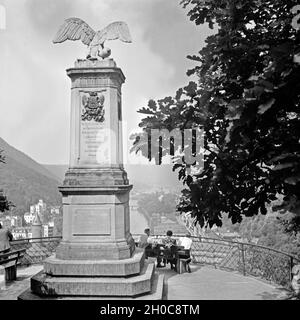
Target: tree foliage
x,y
4,204
266,230
247,101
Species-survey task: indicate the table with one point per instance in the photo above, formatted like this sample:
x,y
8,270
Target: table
x,y
180,255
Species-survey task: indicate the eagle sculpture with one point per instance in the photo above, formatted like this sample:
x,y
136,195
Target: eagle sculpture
x,y
77,29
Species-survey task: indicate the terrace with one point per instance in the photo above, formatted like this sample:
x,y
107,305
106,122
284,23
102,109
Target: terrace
x,y
221,270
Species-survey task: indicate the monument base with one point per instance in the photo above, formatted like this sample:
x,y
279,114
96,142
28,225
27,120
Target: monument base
x,y
157,293
96,223
80,280
95,268
97,257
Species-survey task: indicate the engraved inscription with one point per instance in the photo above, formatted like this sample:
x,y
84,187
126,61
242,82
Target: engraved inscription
x,y
94,143
92,222
94,136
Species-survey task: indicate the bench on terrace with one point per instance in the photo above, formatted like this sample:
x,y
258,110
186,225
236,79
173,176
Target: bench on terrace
x,y
9,260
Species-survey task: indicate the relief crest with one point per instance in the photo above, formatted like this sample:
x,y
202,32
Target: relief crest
x,y
93,107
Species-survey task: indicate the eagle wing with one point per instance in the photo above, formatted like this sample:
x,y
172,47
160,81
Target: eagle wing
x,y
115,30
75,29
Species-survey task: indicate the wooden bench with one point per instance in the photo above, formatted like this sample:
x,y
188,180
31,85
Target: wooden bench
x,y
9,261
183,260
183,265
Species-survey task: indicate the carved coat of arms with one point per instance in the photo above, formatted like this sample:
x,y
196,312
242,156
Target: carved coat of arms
x,y
93,107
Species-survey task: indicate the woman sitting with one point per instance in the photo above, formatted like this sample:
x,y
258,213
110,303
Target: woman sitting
x,y
170,249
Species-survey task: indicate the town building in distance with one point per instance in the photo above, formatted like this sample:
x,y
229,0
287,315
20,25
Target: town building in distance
x,y
21,226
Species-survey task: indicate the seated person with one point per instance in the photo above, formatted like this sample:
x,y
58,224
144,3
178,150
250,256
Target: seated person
x,y
146,242
169,251
168,241
143,242
186,243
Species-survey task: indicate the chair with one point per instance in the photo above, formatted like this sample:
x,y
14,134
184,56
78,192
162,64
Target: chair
x,y
10,260
169,256
183,261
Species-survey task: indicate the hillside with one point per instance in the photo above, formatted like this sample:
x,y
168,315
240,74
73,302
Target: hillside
x,y
25,181
57,170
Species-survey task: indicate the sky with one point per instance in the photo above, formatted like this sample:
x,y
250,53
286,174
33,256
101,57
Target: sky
x,y
35,90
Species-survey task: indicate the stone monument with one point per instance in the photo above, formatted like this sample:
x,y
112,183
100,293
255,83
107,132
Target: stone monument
x,y
97,256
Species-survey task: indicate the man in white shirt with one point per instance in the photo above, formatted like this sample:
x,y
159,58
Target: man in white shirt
x,y
186,242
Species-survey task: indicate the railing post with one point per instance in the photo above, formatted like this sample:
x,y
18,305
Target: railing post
x,y
291,268
214,257
243,260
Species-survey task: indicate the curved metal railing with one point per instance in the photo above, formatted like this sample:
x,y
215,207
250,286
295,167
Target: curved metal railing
x,y
249,259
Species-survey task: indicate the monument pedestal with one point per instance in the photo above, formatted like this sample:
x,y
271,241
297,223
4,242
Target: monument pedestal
x,y
97,256
96,223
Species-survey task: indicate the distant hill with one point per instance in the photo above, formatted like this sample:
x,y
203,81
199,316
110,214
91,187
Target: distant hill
x,y
25,181
144,178
57,170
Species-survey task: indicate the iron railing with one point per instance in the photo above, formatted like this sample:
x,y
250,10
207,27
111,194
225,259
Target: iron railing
x,y
249,259
37,249
246,258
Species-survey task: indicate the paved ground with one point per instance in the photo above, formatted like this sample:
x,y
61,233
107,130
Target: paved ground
x,y
208,283
11,290
204,283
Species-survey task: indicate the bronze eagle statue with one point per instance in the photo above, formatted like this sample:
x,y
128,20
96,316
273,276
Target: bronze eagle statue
x,y
77,29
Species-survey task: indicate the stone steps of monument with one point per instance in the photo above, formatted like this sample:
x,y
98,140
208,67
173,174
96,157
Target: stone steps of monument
x,y
95,268
156,293
44,284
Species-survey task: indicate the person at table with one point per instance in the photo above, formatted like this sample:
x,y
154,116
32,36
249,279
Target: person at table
x,y
169,251
168,241
185,242
143,242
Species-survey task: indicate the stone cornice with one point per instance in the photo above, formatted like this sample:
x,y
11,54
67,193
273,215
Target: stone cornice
x,y
96,77
96,189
